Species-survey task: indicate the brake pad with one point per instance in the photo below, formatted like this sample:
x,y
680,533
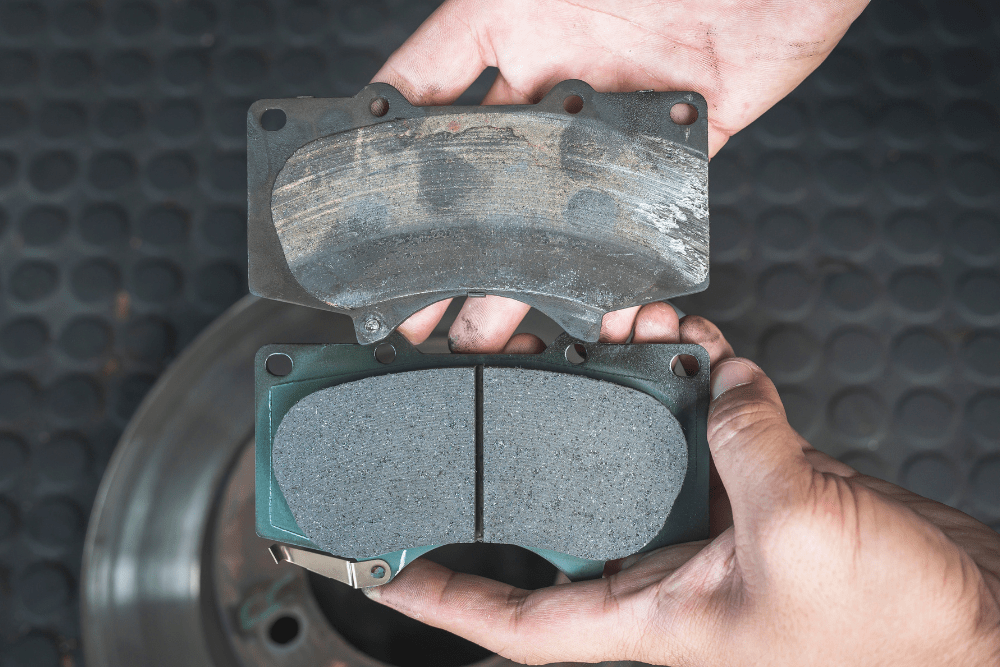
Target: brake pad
x,y
578,205
382,452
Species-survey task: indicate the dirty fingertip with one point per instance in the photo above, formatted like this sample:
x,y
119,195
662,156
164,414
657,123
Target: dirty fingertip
x,y
729,374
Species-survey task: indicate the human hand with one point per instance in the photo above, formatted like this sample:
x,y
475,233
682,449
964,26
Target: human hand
x,y
741,56
812,563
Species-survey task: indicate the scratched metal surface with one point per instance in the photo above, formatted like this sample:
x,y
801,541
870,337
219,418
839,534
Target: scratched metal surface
x,y
364,212
854,243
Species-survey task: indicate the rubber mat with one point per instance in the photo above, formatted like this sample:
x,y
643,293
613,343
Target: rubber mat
x,y
855,240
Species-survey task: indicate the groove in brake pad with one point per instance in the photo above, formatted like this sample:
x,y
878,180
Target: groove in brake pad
x,y
580,466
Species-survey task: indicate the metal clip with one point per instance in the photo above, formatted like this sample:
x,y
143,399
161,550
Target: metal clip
x,y
355,574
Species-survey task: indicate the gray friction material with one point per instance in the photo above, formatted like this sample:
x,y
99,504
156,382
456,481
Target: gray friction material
x,y
580,466
382,464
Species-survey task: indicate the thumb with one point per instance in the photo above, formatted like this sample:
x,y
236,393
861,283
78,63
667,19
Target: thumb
x,y
758,455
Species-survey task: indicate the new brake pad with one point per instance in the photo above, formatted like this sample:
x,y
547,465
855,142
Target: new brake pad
x,y
382,452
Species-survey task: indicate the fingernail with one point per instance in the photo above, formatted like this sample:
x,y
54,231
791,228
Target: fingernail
x,y
729,374
372,593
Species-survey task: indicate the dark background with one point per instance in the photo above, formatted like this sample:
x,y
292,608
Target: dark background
x,y
855,242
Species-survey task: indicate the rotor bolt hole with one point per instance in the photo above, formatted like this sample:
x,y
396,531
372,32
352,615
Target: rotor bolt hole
x,y
284,630
576,353
278,364
385,353
684,365
378,571
573,104
379,107
683,113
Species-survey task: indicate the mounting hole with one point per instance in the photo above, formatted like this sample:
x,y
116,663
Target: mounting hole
x,y
279,364
273,120
377,571
379,107
284,630
684,365
683,113
385,353
573,104
576,353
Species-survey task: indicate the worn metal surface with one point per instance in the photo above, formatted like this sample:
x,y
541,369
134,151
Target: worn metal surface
x,y
642,367
576,213
355,575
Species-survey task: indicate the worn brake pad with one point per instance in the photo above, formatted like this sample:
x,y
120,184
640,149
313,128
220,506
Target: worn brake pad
x,y
580,204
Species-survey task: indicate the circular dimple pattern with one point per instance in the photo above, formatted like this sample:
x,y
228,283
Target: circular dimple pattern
x,y
986,482
104,224
130,394
924,417
857,413
111,170
788,353
43,225
982,414
120,118
931,475
981,356
913,232
53,171
164,226
783,231
44,588
786,291
14,454
77,19
843,125
971,123
855,354
62,119
75,398
977,235
226,228
64,460
33,281
95,280
24,338
149,340
218,285
85,338
921,354
978,294
56,524
850,291
918,291
156,280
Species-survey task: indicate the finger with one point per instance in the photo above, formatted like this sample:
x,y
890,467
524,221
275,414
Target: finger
x,y
699,331
501,92
524,343
720,509
656,323
757,454
418,326
571,622
485,324
616,326
442,58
